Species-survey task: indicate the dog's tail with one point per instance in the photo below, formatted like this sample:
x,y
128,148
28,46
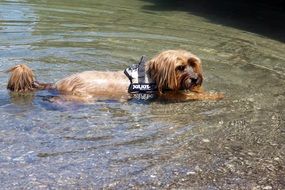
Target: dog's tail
x,y
22,79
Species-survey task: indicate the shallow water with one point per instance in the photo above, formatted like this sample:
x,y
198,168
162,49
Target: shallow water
x,y
235,143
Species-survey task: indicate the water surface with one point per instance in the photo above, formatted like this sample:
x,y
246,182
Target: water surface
x,y
236,143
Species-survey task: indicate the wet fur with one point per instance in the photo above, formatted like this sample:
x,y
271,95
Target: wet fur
x,y
164,69
21,79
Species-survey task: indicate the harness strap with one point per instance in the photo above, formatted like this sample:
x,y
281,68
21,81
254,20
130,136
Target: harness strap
x,y
141,70
139,79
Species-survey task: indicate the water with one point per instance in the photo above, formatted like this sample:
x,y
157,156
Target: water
x,y
235,143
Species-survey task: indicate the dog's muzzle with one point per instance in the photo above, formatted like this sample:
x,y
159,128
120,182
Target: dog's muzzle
x,y
190,80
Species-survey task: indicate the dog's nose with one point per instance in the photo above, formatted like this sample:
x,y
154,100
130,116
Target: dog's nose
x,y
195,78
193,75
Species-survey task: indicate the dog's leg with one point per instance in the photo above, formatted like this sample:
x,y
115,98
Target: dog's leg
x,y
204,96
189,96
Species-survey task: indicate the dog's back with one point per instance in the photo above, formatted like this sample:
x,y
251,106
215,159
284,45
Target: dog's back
x,y
94,83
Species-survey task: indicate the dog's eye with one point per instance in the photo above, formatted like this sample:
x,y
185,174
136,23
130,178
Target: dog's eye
x,y
181,68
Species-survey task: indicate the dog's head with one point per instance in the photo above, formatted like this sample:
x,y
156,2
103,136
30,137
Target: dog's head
x,y
176,70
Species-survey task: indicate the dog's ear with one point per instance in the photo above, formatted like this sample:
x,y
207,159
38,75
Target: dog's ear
x,y
196,64
162,70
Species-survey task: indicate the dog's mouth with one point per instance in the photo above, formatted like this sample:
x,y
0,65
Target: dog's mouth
x,y
190,81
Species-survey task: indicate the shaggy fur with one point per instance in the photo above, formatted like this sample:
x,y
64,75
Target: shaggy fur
x,y
22,79
164,69
172,70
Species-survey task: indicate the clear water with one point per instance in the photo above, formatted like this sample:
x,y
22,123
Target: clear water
x,y
236,143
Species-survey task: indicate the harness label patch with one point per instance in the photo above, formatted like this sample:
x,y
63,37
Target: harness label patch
x,y
141,87
135,88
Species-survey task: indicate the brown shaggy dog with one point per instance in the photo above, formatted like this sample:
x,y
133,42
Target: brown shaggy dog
x,y
176,73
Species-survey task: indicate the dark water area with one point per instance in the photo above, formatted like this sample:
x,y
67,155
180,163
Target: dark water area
x,y
261,17
235,143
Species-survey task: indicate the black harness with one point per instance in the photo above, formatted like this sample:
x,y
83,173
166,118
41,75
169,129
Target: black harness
x,y
142,86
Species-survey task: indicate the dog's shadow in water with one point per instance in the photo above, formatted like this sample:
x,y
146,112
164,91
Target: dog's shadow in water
x,y
51,100
48,100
